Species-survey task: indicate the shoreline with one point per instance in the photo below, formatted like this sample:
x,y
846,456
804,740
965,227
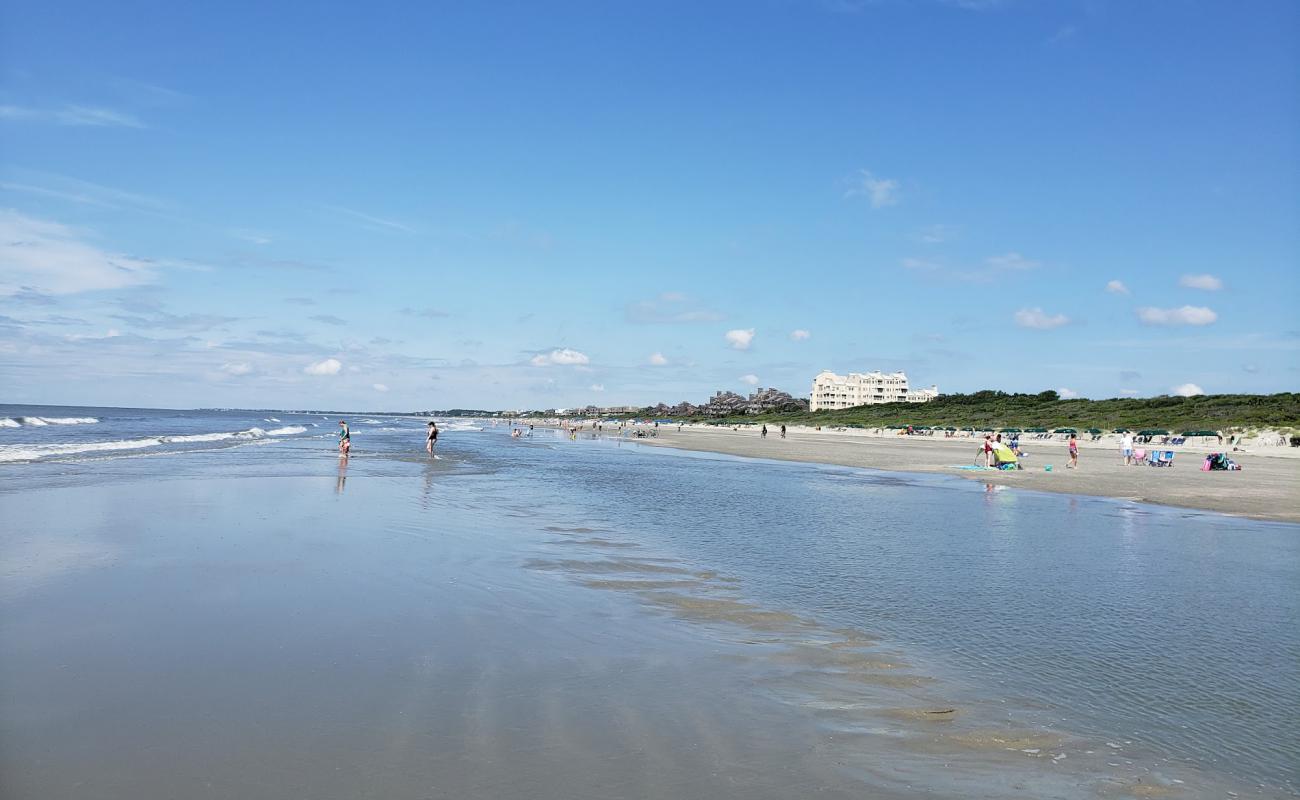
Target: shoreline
x,y
1267,488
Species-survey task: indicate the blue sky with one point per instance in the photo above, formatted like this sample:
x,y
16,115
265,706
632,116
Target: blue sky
x,y
430,205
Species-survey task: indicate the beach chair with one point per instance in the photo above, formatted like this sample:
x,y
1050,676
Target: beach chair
x,y
1163,458
1139,456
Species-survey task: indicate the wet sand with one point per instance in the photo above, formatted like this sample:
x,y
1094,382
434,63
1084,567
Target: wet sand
x,y
1267,487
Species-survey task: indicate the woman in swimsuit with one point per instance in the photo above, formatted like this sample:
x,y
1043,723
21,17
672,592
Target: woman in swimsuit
x,y
433,437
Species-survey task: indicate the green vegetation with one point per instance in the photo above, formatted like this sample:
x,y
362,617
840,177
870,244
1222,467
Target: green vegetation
x,y
989,409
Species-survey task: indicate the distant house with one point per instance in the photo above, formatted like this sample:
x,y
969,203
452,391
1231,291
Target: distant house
x,y
830,390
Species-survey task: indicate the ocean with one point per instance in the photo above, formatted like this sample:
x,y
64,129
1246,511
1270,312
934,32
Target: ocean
x,y
854,628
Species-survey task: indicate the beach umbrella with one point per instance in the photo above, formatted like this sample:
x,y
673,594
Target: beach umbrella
x,y
1200,433
1094,431
1009,430
950,428
971,430
1065,430
1035,430
920,427
1120,430
1153,433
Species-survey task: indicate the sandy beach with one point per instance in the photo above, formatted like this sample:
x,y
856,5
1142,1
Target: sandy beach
x,y
1267,487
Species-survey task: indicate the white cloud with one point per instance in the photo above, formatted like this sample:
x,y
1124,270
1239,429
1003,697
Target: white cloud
x,y
799,335
1187,390
935,234
740,339
83,116
880,191
1116,287
1129,392
658,359
1067,394
1187,315
750,379
380,387
597,387
1207,283
1038,319
329,366
563,358
49,258
237,368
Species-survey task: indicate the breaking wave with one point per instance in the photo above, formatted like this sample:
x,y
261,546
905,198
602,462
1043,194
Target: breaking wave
x,y
37,422
36,452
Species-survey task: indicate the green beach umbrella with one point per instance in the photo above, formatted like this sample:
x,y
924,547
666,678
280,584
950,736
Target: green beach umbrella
x,y
1009,430
1065,430
1094,431
970,430
1035,430
950,428
1120,430
1200,433
1153,433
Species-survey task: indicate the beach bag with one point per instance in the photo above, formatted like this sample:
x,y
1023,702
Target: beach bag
x,y
1205,465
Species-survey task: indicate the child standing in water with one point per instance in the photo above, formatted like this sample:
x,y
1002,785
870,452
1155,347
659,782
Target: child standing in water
x,y
345,438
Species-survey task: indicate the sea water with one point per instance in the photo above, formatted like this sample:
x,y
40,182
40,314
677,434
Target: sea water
x,y
1132,638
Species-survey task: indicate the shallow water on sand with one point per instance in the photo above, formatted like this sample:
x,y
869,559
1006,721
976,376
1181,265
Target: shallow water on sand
x,y
579,618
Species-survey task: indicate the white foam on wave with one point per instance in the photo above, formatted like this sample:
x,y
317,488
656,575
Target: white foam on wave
x,y
40,422
270,419
36,452
461,426
373,421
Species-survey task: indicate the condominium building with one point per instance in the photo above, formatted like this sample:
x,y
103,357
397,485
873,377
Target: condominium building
x,y
864,388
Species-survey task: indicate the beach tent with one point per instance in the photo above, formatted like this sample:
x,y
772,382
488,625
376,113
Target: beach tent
x,y
1003,453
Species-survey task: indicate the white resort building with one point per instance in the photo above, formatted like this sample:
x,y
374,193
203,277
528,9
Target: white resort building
x,y
864,388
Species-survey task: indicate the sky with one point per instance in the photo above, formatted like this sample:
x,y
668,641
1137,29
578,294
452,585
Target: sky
x,y
402,206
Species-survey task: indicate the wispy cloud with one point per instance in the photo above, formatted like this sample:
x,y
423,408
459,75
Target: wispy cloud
x,y
597,387
371,219
427,313
1207,283
880,192
251,236
750,379
1116,287
800,335
935,234
75,190
328,319
1187,390
560,357
992,268
740,339
237,368
670,308
73,115
50,258
658,360
379,387
1038,319
1186,315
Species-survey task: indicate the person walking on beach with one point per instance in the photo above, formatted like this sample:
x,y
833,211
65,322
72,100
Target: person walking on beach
x,y
782,431
763,435
1074,452
345,438
1126,447
432,438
